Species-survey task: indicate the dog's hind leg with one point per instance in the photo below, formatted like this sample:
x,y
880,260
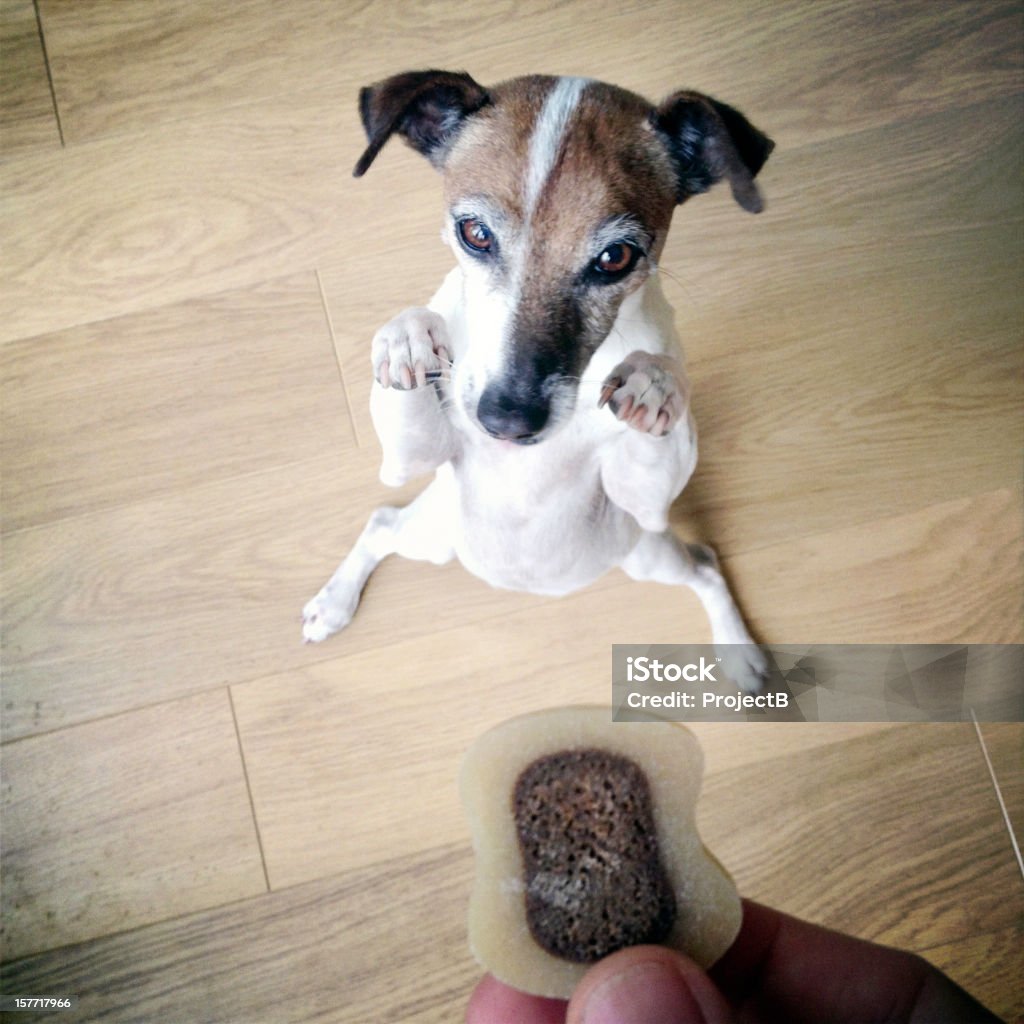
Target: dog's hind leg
x,y
664,558
420,531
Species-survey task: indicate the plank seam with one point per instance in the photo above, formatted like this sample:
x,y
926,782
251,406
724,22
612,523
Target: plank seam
x,y
337,359
248,790
999,795
49,73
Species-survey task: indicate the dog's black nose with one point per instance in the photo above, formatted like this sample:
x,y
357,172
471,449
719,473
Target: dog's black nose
x,y
510,418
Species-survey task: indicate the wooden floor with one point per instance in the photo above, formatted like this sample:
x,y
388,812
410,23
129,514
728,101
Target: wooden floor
x,y
205,820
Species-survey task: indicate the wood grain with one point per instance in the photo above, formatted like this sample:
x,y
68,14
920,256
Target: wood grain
x,y
158,402
989,966
953,581
911,812
161,598
125,821
200,209
907,58
386,944
27,117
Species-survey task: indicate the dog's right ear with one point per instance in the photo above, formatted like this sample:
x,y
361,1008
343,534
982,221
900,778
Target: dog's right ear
x,y
427,108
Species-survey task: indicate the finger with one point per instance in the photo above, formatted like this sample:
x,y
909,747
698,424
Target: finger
x,y
647,985
793,970
495,1003
384,376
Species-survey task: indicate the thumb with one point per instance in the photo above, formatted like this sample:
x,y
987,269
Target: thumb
x,y
647,985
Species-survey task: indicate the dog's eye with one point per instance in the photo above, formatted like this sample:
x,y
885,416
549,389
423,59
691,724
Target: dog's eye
x,y
475,235
617,258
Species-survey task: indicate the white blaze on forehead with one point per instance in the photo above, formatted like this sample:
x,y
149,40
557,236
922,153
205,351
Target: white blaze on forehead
x,y
492,310
547,135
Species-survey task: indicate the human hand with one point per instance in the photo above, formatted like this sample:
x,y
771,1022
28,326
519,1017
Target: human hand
x,y
779,969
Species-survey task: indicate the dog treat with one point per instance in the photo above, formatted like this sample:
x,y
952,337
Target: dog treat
x,y
585,841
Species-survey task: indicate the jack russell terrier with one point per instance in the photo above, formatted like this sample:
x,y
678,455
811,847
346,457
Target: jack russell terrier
x,y
544,383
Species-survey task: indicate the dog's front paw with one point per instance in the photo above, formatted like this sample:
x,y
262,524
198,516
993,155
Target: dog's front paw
x,y
648,392
326,614
411,350
745,664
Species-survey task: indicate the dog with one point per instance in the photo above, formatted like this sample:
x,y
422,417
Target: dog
x,y
543,384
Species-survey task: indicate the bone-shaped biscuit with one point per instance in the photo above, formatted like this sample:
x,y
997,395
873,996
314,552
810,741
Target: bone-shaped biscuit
x,y
585,842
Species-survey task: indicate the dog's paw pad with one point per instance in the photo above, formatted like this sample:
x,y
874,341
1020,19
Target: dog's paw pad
x,y
647,392
411,350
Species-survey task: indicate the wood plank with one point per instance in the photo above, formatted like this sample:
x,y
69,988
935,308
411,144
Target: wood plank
x,y
131,408
161,598
925,858
175,62
27,117
729,745
950,573
123,822
386,944
193,210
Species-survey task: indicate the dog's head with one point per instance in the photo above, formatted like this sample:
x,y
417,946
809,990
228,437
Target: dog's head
x,y
559,196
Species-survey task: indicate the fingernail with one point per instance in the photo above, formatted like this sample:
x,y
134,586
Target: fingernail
x,y
645,993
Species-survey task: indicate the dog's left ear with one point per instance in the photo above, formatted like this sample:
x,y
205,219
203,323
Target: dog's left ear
x,y
710,141
427,108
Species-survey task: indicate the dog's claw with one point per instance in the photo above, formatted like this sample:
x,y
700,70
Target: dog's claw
x,y
610,387
639,416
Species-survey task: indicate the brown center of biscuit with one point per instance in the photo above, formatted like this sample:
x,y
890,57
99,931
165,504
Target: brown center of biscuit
x,y
594,878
